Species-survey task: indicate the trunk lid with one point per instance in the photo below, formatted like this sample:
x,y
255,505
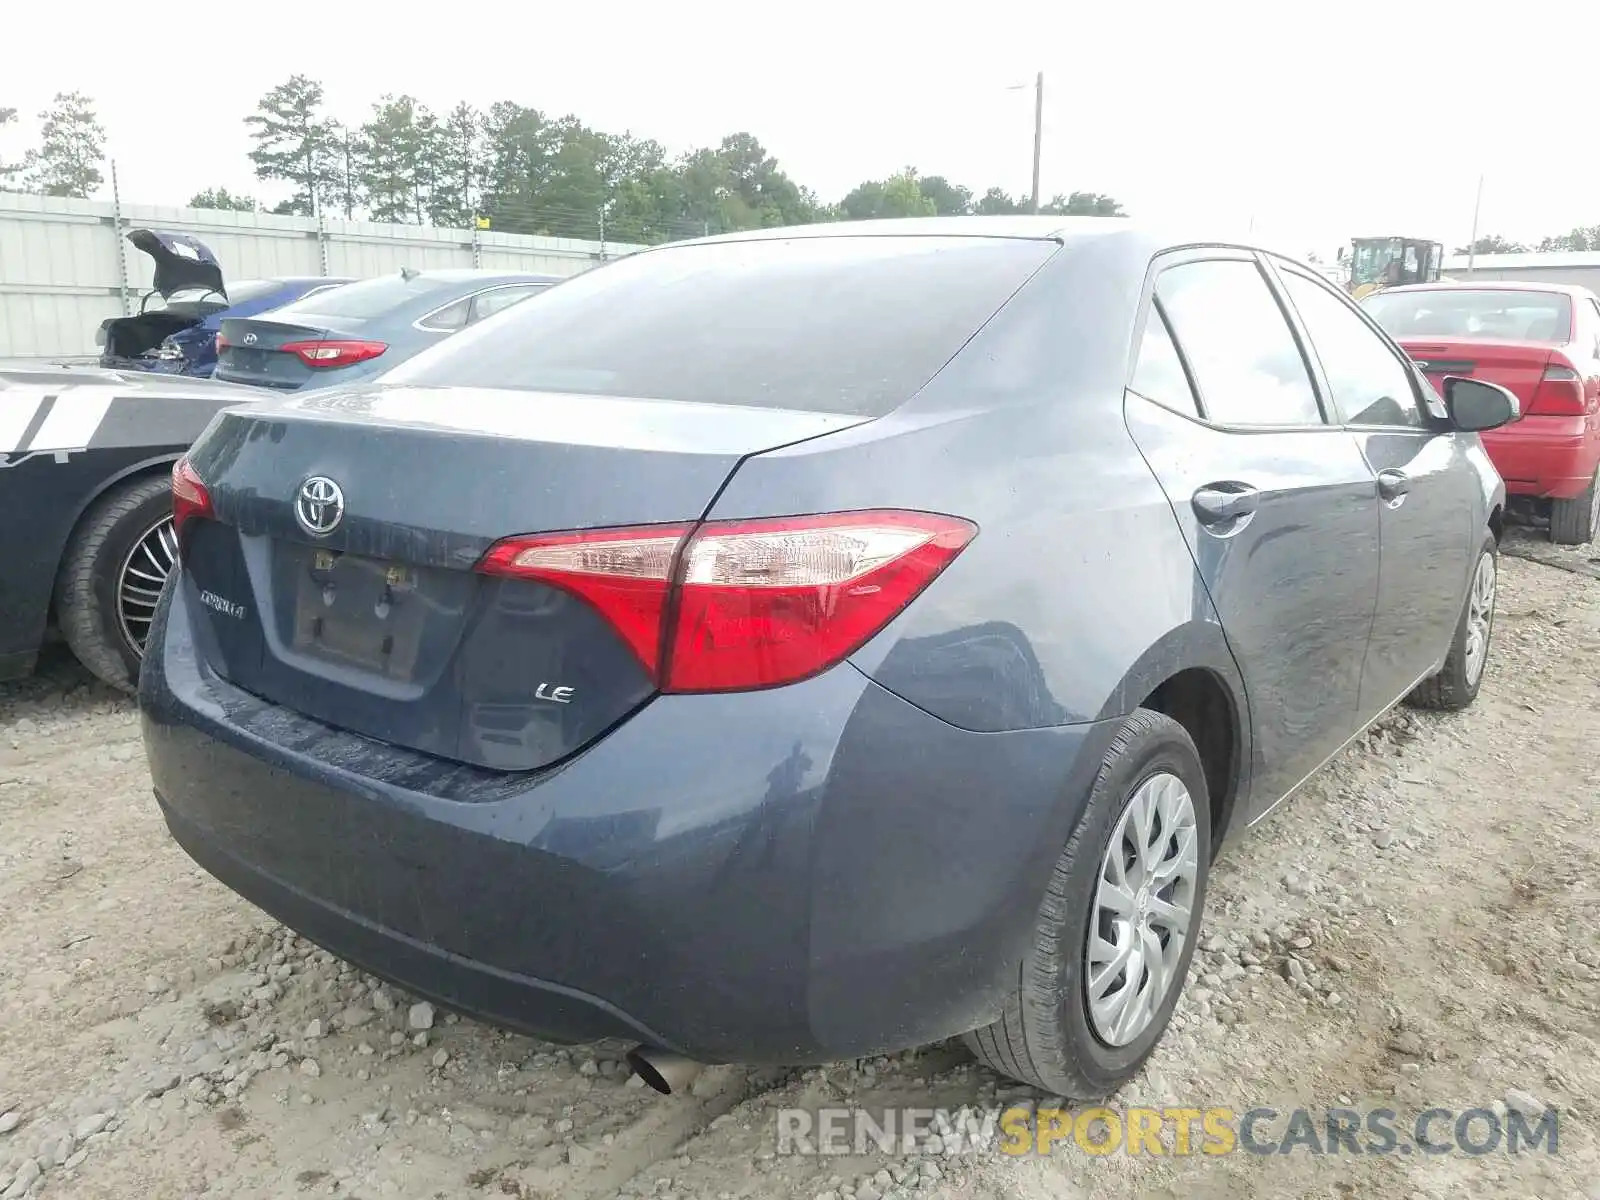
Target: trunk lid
x,y
1516,365
380,625
181,262
251,350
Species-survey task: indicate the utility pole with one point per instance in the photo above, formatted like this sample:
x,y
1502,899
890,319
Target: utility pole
x,y
1472,246
1038,135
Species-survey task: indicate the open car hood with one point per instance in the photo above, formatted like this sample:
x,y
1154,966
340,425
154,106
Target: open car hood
x,y
181,261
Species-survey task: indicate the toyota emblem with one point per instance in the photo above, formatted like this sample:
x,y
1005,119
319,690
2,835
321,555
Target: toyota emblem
x,y
319,507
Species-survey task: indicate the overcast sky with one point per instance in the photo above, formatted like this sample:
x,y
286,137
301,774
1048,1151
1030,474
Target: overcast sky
x,y
1316,120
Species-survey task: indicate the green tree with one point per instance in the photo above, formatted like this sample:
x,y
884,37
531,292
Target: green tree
x,y
7,117
400,155
458,174
996,203
765,195
1494,244
949,199
1584,237
519,142
71,147
224,199
900,195
1083,204
296,143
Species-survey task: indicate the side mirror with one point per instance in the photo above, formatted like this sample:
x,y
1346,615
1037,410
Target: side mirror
x,y
1475,405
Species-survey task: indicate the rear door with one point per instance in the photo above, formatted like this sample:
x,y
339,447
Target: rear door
x,y
1430,495
1278,506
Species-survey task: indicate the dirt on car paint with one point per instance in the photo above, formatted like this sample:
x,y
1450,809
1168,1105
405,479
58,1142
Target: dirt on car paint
x,y
1419,928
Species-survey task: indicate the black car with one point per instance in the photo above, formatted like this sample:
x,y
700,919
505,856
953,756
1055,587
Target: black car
x,y
817,642
86,459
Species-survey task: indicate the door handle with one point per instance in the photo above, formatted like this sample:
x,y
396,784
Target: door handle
x,y
1218,503
1393,486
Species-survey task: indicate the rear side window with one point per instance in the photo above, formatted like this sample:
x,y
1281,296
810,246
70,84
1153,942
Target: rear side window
x,y
486,304
1159,375
367,298
851,324
1245,360
449,318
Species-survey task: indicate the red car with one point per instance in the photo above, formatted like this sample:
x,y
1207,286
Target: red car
x,y
1541,340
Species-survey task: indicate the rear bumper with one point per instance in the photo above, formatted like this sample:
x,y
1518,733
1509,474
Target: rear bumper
x,y
1545,456
811,872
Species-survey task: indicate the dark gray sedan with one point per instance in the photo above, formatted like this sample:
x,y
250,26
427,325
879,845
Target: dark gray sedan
x,y
365,328
816,642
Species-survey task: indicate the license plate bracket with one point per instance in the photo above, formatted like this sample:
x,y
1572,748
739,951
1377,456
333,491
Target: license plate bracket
x,y
356,611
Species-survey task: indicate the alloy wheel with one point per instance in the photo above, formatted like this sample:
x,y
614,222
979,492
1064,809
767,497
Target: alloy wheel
x,y
1143,907
144,572
1480,617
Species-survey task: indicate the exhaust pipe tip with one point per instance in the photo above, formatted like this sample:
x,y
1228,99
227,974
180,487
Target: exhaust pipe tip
x,y
663,1070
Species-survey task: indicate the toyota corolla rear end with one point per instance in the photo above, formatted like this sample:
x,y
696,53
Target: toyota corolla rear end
x,y
479,689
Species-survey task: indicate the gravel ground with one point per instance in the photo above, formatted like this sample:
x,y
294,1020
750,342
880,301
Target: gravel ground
x,y
1420,926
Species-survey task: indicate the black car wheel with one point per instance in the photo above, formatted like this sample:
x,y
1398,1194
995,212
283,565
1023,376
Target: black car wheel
x,y
111,577
1113,939
1575,522
1457,684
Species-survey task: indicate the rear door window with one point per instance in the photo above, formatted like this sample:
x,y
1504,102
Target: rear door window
x,y
849,324
1370,385
1246,362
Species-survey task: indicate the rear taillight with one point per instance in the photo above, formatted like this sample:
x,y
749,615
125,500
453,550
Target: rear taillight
x,y
189,496
323,353
222,343
736,605
1560,393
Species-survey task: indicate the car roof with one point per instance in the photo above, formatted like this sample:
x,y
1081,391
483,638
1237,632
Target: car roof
x,y
1139,237
1490,285
480,275
1042,228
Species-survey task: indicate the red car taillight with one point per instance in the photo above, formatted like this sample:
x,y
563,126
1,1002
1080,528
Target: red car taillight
x,y
322,353
189,496
736,605
1560,393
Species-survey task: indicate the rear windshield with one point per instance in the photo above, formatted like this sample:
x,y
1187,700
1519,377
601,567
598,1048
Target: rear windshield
x,y
851,325
367,298
1474,313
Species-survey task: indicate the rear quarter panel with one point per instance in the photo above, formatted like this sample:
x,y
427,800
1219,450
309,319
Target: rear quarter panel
x,y
1078,596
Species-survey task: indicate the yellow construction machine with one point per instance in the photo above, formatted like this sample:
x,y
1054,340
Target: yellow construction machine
x,y
1382,262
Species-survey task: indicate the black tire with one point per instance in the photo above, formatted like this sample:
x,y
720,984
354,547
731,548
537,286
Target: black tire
x,y
86,585
1453,689
1044,1037
1573,522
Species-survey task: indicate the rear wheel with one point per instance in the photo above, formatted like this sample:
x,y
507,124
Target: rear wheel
x,y
1457,684
1113,939
112,575
1574,522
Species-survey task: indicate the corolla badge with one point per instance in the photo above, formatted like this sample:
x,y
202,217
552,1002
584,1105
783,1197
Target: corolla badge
x,y
319,506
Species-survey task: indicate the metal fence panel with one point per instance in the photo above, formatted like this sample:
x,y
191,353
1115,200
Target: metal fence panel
x,y
62,261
